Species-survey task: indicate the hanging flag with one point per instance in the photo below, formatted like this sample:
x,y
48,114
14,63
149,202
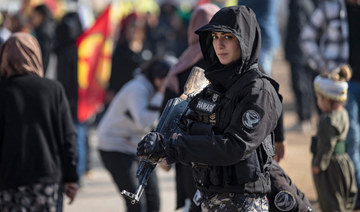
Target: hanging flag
x,y
94,52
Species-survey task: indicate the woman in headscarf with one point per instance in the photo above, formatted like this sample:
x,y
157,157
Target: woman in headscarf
x,y
43,28
37,137
227,137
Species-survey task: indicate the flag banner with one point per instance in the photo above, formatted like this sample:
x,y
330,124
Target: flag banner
x,y
94,51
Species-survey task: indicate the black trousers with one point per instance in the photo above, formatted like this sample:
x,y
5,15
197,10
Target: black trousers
x,y
302,83
122,168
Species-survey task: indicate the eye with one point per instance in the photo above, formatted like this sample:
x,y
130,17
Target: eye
x,y
214,36
229,37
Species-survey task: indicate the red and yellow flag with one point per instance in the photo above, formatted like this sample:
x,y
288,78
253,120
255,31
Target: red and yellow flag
x,y
94,52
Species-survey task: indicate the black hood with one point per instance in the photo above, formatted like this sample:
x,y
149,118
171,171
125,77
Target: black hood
x,y
241,22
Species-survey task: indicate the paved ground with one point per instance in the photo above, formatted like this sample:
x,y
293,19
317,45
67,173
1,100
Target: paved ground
x,y
99,194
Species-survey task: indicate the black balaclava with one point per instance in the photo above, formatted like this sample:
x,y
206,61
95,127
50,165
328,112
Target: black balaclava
x,y
241,22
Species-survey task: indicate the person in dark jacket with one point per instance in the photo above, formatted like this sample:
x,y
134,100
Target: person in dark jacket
x,y
67,32
37,138
302,75
129,53
227,136
43,28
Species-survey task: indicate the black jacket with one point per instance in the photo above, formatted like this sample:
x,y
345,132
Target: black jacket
x,y
234,115
37,137
67,32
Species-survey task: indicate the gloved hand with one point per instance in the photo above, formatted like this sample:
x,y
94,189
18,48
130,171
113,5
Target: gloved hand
x,y
152,146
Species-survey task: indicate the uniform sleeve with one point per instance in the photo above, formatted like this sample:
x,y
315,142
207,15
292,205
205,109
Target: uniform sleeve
x,y
327,138
68,144
253,118
310,35
279,130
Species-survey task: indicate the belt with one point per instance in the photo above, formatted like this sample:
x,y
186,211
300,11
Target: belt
x,y
340,148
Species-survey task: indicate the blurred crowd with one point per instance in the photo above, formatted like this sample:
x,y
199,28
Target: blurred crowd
x,y
319,36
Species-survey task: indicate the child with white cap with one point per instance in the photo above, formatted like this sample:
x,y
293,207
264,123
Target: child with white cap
x,y
332,169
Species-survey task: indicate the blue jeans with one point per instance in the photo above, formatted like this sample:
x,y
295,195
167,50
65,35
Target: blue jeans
x,y
266,60
81,144
353,137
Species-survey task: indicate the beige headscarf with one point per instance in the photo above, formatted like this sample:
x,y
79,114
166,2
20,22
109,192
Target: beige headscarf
x,y
200,16
20,54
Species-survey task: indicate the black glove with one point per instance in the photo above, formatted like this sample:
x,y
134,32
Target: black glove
x,y
152,145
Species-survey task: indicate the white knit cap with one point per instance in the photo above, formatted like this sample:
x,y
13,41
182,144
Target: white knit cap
x,y
331,89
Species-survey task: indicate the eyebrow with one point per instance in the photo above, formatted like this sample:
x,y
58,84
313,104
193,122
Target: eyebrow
x,y
223,33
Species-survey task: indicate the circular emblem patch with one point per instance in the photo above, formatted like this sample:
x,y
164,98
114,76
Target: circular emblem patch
x,y
250,119
284,201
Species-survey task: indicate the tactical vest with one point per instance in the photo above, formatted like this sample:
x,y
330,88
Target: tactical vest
x,y
248,176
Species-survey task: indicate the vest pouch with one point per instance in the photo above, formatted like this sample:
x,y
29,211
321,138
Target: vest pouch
x,y
201,176
248,170
216,176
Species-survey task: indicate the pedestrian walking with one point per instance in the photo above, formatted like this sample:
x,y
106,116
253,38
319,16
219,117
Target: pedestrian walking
x,y
37,136
302,75
133,112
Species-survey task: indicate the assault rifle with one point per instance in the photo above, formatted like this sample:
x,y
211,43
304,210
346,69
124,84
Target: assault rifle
x,y
168,124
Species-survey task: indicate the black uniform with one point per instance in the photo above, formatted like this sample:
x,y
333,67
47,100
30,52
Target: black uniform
x,y
228,127
229,143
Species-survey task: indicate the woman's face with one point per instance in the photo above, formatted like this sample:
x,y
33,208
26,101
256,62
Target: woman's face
x,y
226,46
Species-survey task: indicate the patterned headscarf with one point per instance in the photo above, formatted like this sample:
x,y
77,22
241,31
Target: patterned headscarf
x,y
335,90
20,54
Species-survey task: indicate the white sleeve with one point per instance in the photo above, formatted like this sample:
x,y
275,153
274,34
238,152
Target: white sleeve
x,y
138,103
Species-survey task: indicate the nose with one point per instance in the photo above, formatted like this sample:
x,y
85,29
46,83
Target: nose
x,y
220,44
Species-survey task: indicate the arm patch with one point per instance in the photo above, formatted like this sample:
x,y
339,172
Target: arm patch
x,y
251,118
284,201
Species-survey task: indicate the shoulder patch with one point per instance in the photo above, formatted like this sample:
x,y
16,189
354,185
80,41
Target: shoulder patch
x,y
284,201
251,119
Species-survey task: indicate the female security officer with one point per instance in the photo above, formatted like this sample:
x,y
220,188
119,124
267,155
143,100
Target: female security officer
x,y
228,138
